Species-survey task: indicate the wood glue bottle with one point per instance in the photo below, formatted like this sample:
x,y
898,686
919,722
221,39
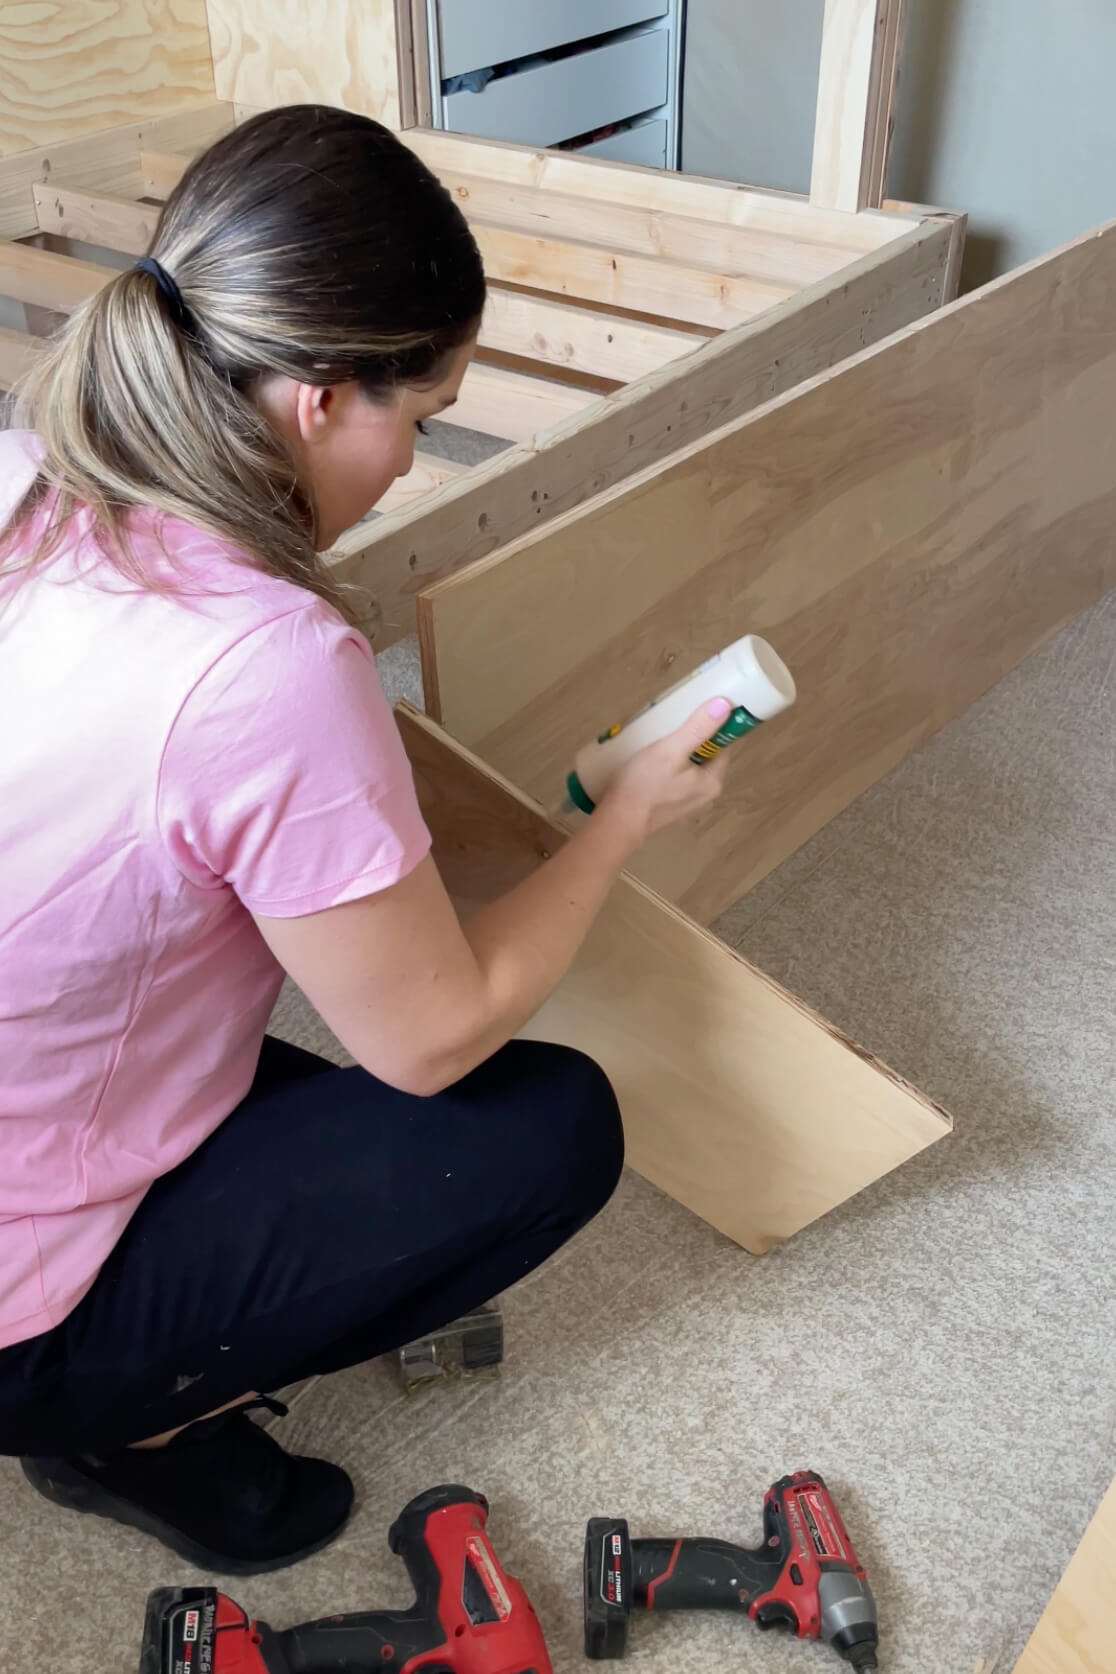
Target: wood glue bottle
x,y
749,674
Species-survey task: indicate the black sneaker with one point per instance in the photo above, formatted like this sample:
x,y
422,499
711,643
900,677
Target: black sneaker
x,y
222,1494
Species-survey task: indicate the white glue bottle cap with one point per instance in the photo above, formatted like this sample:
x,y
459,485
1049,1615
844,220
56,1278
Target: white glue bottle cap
x,y
749,673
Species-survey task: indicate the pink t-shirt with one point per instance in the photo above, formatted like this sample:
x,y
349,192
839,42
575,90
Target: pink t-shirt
x,y
167,766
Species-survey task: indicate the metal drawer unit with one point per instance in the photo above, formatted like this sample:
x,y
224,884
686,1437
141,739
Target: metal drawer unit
x,y
557,72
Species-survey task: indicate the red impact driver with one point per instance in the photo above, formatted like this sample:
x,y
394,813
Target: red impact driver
x,y
805,1576
468,1617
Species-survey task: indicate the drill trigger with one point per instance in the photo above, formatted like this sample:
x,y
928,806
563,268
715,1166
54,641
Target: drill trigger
x,y
775,1612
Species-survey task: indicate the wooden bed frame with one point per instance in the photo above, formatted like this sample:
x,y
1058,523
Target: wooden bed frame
x,y
631,310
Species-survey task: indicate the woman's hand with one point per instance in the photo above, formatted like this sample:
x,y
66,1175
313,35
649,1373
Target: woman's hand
x,y
660,784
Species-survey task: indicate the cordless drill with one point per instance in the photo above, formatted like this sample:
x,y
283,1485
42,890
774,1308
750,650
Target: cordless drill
x,y
468,1617
805,1576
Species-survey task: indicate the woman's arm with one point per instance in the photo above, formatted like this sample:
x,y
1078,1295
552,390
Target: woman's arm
x,y
419,999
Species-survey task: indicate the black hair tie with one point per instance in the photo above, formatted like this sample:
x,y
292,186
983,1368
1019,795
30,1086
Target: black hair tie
x,y
180,314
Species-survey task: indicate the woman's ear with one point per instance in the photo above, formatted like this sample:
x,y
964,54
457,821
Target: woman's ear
x,y
314,411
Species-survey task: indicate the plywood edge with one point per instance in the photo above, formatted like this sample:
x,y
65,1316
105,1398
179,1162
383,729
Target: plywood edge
x,y
756,1114
1076,1633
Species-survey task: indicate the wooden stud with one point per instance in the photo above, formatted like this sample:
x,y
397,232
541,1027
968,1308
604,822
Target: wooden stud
x,y
737,1099
114,223
904,530
514,406
427,473
758,253
607,345
650,284
72,70
161,171
1077,1631
859,59
715,201
734,373
47,280
106,162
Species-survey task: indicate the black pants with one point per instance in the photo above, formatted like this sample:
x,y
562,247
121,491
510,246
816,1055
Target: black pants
x,y
329,1219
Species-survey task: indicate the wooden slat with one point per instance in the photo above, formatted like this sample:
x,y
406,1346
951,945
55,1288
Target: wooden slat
x,y
776,257
428,473
904,530
106,162
514,406
612,346
47,280
859,58
516,492
71,70
1077,1631
17,350
115,223
339,52
781,213
737,1100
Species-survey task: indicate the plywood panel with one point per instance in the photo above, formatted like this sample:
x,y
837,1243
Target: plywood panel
x,y
1077,1632
903,530
285,52
86,65
514,493
737,1099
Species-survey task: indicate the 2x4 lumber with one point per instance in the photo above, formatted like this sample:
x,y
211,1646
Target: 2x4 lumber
x,y
514,405
1076,1633
777,257
733,373
427,473
607,345
904,530
70,70
737,1099
716,201
651,284
610,346
46,280
859,60
114,223
105,162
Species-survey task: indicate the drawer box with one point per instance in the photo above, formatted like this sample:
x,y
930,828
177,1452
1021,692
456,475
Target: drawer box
x,y
475,34
645,144
572,96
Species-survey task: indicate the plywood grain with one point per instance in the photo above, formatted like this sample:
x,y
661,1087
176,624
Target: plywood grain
x,y
904,530
1077,1631
737,1099
87,65
286,52
503,499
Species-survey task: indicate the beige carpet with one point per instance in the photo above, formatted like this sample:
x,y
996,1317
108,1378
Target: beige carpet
x,y
943,1347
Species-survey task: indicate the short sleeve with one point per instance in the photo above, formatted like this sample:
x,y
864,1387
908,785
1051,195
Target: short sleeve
x,y
284,774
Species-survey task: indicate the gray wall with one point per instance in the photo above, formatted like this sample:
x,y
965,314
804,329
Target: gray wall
x,y
1006,109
